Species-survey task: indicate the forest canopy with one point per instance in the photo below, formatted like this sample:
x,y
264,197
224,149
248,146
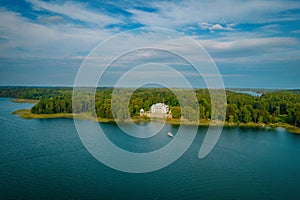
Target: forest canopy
x,y
270,107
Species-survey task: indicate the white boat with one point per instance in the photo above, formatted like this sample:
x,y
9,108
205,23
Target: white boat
x,y
170,134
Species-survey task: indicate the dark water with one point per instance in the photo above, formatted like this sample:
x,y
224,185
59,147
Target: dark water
x,y
45,159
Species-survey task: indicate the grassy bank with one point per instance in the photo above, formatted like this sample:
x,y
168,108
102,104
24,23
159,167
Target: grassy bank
x,y
26,114
24,101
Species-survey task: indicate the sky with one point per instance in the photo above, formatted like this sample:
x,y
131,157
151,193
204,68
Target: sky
x,y
255,44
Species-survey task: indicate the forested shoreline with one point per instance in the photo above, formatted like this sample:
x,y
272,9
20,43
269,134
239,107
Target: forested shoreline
x,y
281,106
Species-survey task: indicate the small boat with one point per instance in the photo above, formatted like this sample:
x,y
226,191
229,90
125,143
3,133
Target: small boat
x,y
170,134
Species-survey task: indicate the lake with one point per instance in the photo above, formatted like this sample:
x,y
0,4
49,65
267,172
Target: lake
x,y
45,159
252,93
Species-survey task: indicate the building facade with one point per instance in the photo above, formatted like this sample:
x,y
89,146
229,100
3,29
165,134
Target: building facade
x,y
159,108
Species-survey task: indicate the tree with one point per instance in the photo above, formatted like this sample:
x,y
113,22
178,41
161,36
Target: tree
x,y
189,113
255,115
291,116
231,119
231,111
244,115
176,112
297,115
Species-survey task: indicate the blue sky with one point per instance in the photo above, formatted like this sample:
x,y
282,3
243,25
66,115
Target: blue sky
x,y
255,44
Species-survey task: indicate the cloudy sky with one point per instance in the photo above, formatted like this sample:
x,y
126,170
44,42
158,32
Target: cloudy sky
x,y
255,44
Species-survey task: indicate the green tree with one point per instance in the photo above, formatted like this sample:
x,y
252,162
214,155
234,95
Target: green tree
x,y
176,112
245,114
254,115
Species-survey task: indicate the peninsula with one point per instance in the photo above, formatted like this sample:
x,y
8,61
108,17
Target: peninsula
x,y
279,108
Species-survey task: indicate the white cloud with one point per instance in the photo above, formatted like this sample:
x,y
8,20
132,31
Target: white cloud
x,y
177,14
75,11
51,19
24,38
216,27
204,25
252,43
296,31
231,25
272,28
258,49
52,37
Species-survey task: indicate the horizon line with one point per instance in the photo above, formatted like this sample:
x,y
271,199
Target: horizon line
x,y
68,86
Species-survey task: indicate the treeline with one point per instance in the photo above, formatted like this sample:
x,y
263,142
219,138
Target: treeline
x,y
280,106
53,105
36,93
271,107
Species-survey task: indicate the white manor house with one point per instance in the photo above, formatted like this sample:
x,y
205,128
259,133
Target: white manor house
x,y
158,110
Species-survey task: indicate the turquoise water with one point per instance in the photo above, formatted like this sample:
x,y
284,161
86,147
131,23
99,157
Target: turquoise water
x,y
45,159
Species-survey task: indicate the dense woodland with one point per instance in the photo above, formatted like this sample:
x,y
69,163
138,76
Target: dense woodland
x,y
271,107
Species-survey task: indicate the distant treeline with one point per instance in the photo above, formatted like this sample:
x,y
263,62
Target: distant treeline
x,y
271,107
